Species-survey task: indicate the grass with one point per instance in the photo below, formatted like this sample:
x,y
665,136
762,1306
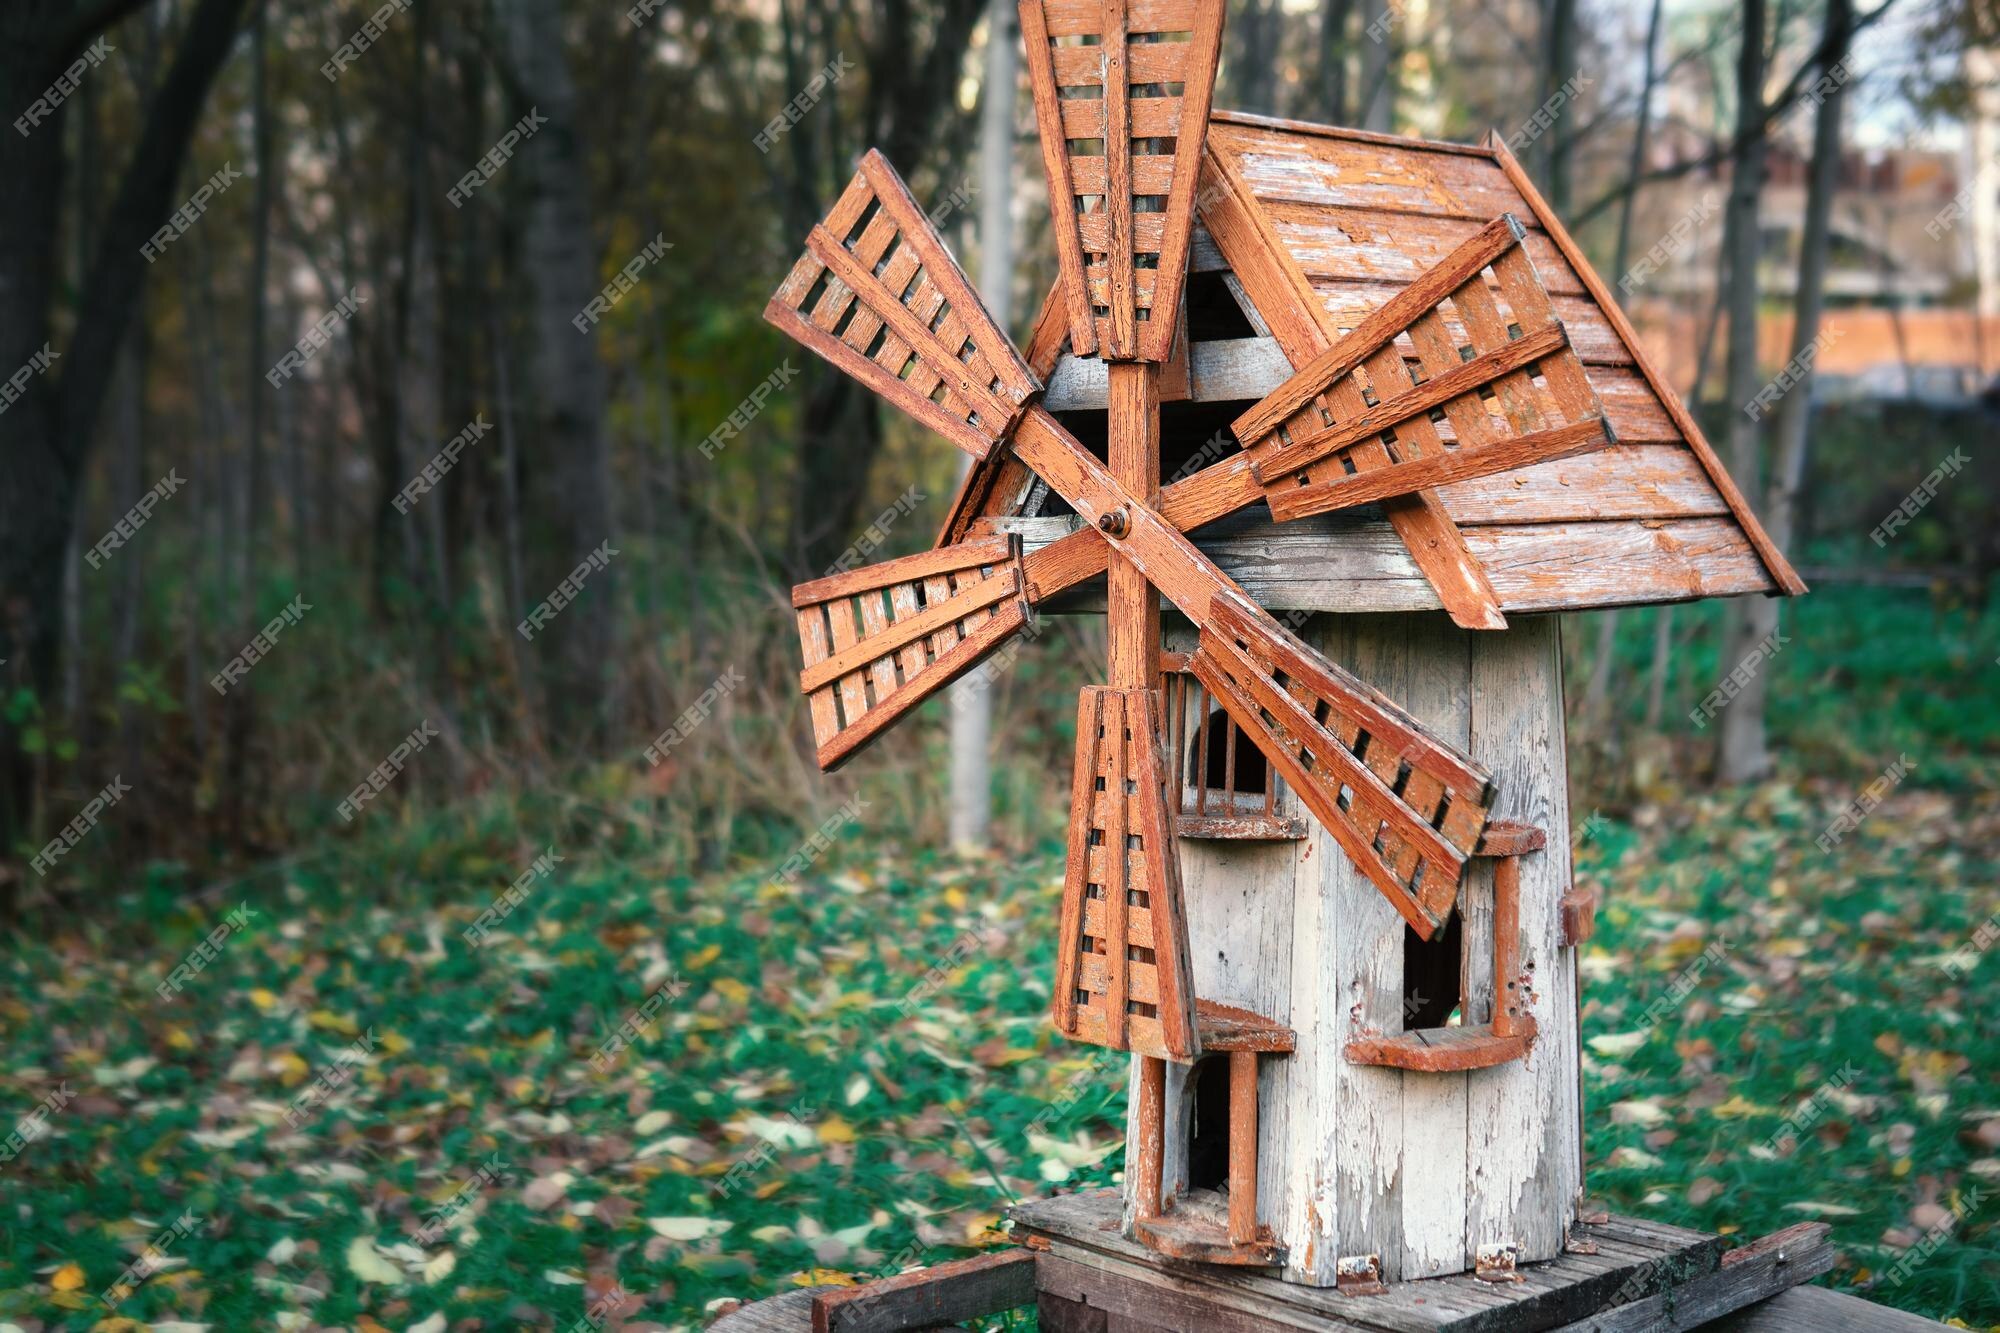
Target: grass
x,y
854,1072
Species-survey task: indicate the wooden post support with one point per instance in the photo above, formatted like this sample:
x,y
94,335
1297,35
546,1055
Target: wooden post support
x,y
1507,998
1132,630
1242,1147
1152,1136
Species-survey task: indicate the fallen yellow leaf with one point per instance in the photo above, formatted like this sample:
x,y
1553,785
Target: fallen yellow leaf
x,y
67,1278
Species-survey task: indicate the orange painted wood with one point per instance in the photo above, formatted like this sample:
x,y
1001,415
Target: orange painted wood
x,y
1204,52
1342,357
1467,377
1242,1147
1304,330
1505,837
1442,1050
1122,205
1579,915
936,339
1035,36
1782,574
1509,1004
1227,1027
877,642
1196,1230
1123,974
1440,469
1152,1133
1132,611
1414,864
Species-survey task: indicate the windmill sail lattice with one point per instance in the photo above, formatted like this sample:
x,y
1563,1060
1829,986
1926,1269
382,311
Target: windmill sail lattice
x,y
1405,808
879,641
877,294
1492,388
1122,92
1123,975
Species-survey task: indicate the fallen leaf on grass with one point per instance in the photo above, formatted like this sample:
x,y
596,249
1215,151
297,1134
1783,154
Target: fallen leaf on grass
x,y
688,1228
367,1263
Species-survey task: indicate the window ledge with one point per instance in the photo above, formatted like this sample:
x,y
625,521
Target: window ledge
x,y
1442,1050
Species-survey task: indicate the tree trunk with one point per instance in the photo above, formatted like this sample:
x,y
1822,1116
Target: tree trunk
x,y
1741,754
50,427
1788,466
238,705
566,499
1378,81
1663,656
1560,54
1642,125
1333,44
972,701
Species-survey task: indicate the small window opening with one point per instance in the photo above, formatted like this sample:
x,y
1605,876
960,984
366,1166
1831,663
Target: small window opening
x,y
1432,976
1208,1135
1232,761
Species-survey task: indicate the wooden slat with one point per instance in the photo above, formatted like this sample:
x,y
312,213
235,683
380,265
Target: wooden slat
x,y
1017,382
1146,62
1074,926
1151,174
1467,377
1094,118
1303,328
1035,35
1197,92
884,639
1071,18
817,644
1781,572
972,554
1115,125
1317,375
1098,935
936,1297
1463,464
968,653
1113,808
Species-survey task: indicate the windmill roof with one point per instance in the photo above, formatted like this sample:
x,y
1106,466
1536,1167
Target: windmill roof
x,y
1317,227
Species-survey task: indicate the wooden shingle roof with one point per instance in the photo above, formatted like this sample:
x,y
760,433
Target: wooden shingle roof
x,y
1320,226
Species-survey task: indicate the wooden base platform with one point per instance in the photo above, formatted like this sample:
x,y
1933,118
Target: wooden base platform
x,y
1084,1276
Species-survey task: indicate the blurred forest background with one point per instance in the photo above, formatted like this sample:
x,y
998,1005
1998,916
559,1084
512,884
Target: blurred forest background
x,y
305,406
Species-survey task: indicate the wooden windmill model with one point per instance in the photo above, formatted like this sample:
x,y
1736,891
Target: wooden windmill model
x,y
1464,373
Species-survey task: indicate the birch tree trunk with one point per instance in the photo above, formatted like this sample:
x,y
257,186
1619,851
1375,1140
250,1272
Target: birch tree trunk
x,y
971,699
1741,755
1378,82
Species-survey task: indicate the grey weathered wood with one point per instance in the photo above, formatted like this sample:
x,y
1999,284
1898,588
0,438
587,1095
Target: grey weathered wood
x,y
1436,1166
1224,370
1745,1276
1523,1122
1355,562
930,1298
1091,1256
1817,1310
788,1313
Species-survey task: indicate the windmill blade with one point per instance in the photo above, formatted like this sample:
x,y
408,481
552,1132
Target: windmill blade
x,y
879,641
878,294
1407,806
1124,978
1359,423
1122,154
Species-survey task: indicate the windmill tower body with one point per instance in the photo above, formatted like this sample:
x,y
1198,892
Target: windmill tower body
x,y
1326,424
1361,1168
